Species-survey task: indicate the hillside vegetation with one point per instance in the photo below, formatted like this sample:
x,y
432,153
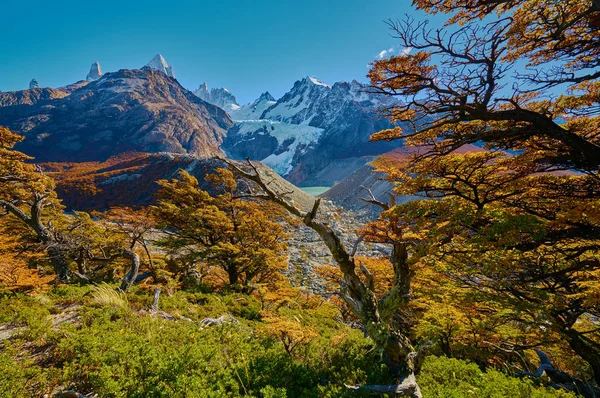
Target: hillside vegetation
x,y
92,339
490,285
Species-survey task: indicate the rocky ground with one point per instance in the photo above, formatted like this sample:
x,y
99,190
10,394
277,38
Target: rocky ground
x,y
307,251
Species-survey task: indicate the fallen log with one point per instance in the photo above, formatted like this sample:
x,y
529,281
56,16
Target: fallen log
x,y
209,322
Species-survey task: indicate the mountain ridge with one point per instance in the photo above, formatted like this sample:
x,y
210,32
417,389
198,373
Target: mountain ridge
x,y
128,110
345,114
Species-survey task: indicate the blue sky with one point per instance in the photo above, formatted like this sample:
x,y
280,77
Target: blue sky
x,y
243,45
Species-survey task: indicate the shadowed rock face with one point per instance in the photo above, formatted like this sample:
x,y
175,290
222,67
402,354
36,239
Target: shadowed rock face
x,y
129,110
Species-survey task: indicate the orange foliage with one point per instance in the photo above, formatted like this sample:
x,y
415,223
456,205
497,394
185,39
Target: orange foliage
x,y
15,273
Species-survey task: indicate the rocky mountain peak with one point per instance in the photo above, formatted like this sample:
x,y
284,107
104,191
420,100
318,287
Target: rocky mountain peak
x,y
253,110
314,81
160,64
297,105
314,133
308,84
34,84
95,72
202,91
266,96
220,97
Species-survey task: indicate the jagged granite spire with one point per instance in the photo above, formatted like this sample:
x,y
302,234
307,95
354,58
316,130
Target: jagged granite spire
x,y
202,92
95,72
160,64
266,96
220,97
34,83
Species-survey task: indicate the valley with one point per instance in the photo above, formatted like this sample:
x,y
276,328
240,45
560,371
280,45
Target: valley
x,y
432,230
315,191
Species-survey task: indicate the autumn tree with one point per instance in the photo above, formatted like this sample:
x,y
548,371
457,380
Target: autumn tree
x,y
101,247
15,270
381,315
226,229
29,196
519,220
134,228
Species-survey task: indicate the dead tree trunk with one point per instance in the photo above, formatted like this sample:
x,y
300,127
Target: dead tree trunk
x,y
154,306
131,276
60,263
401,358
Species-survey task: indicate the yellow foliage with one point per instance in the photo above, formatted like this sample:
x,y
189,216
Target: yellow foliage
x,y
291,332
15,273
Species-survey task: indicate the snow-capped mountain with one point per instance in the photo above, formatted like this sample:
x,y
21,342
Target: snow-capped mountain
x,y
254,110
160,64
95,72
297,105
313,128
314,103
220,97
277,144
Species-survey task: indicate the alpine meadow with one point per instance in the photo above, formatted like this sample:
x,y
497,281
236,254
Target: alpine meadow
x,y
426,227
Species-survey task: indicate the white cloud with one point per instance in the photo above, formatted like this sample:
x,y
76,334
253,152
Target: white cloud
x,y
390,51
406,50
385,53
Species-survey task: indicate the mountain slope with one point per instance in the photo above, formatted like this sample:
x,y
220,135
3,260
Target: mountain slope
x,y
254,110
277,144
129,179
129,110
345,114
349,193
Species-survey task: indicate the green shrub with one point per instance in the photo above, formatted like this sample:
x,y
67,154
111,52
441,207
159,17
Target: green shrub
x,y
29,314
19,379
115,351
451,378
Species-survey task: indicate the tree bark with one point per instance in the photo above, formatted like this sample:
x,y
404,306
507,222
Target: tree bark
x,y
232,273
562,379
131,276
154,306
586,349
60,263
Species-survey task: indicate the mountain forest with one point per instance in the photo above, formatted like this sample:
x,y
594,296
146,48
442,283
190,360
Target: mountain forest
x,y
162,242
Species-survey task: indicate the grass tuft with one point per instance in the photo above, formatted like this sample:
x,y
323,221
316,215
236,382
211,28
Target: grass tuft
x,y
105,295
